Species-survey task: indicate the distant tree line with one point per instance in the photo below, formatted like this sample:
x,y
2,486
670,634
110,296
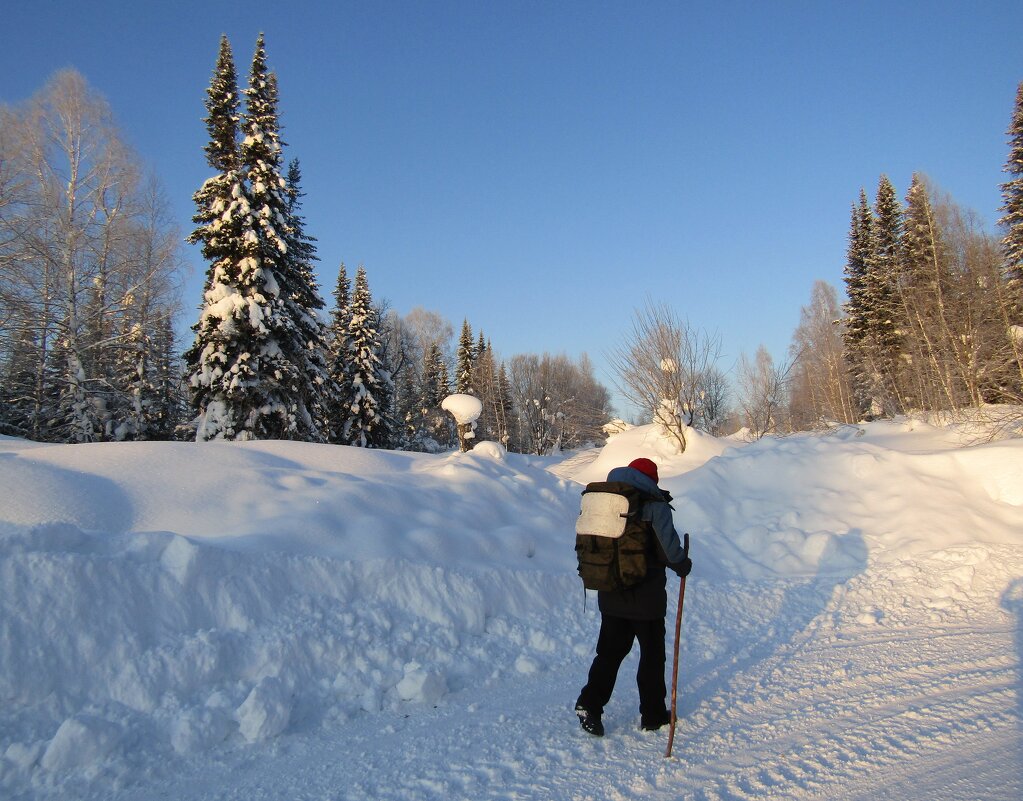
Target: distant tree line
x,y
934,317
90,281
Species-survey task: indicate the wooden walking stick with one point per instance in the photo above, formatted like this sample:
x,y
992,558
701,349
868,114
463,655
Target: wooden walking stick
x,y
674,665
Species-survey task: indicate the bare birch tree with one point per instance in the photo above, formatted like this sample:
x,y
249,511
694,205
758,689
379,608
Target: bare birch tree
x,y
662,368
83,242
821,390
762,391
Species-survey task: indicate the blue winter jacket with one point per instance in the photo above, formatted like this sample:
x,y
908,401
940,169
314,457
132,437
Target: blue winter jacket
x,y
648,600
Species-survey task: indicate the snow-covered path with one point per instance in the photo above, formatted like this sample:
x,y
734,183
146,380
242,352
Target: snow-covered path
x,y
866,717
922,711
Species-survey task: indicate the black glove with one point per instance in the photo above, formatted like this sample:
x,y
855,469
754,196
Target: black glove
x,y
683,568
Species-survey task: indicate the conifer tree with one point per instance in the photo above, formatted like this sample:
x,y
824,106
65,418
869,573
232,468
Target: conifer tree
x,y
1011,301
465,358
883,279
257,367
288,348
495,396
369,425
437,432
215,368
1012,221
858,255
340,358
481,347
170,403
303,304
871,275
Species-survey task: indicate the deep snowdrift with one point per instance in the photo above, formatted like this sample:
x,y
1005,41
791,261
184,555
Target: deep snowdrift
x,y
159,601
184,594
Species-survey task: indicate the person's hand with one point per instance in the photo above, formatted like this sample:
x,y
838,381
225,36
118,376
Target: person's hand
x,y
683,568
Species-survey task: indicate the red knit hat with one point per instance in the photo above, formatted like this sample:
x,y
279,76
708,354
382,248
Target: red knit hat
x,y
646,467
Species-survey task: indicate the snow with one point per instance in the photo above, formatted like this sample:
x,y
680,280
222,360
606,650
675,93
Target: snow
x,y
267,620
465,409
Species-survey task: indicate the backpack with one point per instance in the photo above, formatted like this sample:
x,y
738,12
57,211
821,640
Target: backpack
x,y
612,543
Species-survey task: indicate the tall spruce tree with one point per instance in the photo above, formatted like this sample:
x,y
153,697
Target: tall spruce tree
x,y
340,358
303,305
1012,221
871,275
883,280
858,256
288,349
1012,244
170,404
464,360
214,366
257,368
369,425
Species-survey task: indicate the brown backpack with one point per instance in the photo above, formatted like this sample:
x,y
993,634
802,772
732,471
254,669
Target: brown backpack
x,y
612,543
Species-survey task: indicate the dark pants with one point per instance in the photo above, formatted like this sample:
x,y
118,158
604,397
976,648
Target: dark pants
x,y
613,645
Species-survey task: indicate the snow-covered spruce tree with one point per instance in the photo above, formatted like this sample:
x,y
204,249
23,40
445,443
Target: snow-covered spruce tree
x,y
1012,243
303,305
216,366
483,383
884,316
369,425
859,255
170,405
257,369
1012,221
289,350
340,359
437,431
464,360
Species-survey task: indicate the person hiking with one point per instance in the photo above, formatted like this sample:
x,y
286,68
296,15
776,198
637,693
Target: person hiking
x,y
637,612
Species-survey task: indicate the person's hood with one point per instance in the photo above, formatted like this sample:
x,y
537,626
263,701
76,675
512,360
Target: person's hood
x,y
632,476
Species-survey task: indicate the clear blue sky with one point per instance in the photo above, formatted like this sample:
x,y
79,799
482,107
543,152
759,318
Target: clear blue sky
x,y
543,168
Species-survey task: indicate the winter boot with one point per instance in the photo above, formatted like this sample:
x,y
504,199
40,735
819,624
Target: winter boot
x,y
590,721
655,721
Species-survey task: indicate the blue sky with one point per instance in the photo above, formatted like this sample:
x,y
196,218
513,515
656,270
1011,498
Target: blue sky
x,y
544,168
